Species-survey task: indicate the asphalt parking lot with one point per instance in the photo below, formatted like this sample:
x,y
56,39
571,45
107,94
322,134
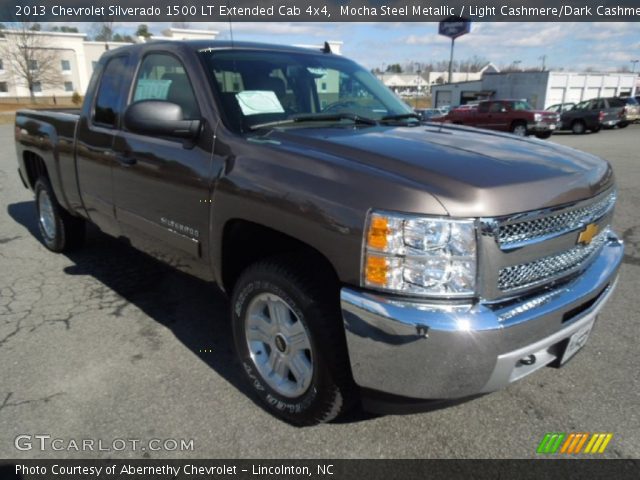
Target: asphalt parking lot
x,y
108,344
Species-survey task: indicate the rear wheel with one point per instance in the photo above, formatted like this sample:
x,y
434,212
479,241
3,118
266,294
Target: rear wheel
x,y
519,129
596,129
290,340
543,135
60,230
578,127
623,124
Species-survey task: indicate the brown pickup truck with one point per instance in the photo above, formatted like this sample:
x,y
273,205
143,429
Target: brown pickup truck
x,y
370,259
515,116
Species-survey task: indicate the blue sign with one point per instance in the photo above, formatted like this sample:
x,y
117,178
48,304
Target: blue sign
x,y
454,27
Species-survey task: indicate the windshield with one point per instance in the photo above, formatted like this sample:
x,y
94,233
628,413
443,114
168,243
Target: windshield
x,y
257,88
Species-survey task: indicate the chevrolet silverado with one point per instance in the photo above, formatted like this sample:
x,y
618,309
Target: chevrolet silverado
x,y
370,259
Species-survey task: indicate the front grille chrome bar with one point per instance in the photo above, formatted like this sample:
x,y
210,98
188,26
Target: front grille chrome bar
x,y
520,233
548,268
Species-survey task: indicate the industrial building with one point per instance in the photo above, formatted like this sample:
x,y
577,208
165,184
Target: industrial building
x,y
540,89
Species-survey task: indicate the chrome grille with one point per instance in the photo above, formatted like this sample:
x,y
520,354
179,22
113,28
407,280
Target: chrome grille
x,y
510,234
546,268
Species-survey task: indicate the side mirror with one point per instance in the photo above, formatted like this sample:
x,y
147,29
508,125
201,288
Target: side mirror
x,y
159,117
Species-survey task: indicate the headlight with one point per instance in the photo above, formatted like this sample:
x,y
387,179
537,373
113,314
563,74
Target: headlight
x,y
414,255
537,117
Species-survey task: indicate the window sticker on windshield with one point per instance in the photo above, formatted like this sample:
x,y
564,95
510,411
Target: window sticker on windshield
x,y
317,72
256,102
150,89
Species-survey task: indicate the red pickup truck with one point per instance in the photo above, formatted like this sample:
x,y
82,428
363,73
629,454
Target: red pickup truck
x,y
515,116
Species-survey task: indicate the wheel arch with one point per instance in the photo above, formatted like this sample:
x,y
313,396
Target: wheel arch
x,y
245,242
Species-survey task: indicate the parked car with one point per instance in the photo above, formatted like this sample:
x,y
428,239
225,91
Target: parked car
x,y
560,107
592,115
515,116
367,258
631,112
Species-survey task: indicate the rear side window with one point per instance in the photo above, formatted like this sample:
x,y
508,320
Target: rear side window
x,y
483,107
163,77
107,104
616,102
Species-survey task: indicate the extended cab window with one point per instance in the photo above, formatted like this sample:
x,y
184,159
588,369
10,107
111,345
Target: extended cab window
x,y
484,107
163,77
497,107
107,104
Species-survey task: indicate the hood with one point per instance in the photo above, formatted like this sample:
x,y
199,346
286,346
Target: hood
x,y
472,172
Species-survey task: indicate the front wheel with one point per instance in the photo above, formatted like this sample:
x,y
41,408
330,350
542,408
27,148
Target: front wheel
x,y
60,230
623,124
543,135
290,341
578,127
519,129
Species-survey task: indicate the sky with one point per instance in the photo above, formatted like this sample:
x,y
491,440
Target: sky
x,y
572,46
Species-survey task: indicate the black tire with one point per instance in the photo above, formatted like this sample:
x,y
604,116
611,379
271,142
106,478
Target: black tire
x,y
331,391
578,127
623,124
596,129
543,135
519,129
68,232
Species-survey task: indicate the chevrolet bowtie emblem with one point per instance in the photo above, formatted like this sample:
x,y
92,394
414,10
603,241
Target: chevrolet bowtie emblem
x,y
588,233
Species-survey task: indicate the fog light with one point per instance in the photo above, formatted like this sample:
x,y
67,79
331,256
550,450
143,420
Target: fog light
x,y
528,360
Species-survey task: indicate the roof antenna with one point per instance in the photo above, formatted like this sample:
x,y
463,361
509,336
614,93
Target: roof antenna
x,y
231,33
326,48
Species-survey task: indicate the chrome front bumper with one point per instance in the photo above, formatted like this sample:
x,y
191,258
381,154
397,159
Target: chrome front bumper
x,y
436,351
543,126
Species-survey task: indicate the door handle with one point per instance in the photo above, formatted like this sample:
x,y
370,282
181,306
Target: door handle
x,y
126,160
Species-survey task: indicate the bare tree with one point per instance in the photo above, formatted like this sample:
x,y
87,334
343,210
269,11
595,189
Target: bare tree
x,y
103,31
30,59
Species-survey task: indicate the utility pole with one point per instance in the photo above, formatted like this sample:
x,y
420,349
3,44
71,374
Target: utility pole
x,y
544,61
453,41
633,65
418,72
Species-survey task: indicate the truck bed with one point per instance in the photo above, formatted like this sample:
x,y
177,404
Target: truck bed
x,y
50,134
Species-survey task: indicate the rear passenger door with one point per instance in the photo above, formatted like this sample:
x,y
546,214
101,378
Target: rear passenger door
x,y
162,185
95,135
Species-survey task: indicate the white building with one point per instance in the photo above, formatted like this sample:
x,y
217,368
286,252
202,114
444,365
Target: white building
x,y
540,89
76,58
411,83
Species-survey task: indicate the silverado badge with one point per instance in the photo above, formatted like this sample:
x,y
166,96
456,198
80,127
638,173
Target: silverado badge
x,y
587,234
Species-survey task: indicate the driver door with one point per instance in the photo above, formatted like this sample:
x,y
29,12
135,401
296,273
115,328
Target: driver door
x,y
162,185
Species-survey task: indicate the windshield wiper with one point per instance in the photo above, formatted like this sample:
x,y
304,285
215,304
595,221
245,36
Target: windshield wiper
x,y
332,117
401,116
321,117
